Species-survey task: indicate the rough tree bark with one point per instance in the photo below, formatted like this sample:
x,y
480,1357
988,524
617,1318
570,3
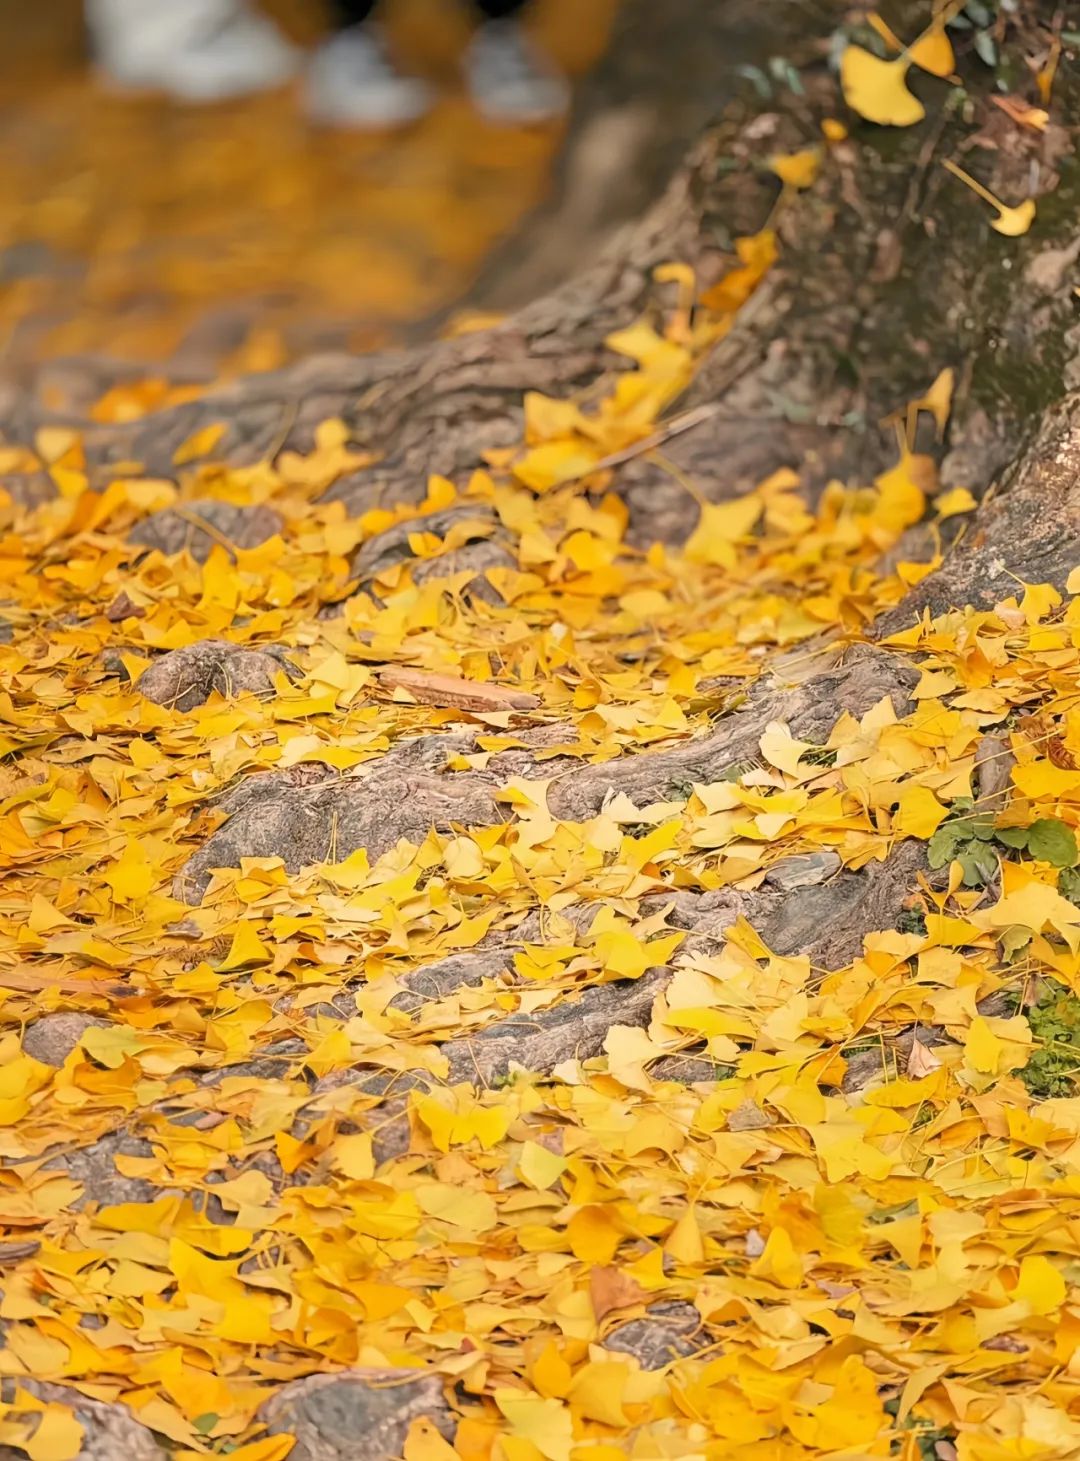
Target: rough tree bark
x,y
888,273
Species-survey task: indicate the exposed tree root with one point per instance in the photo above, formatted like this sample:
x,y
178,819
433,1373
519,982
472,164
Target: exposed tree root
x,y
187,677
1026,531
409,791
197,525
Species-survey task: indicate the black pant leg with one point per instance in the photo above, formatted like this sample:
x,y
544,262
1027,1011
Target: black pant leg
x,y
352,12
500,9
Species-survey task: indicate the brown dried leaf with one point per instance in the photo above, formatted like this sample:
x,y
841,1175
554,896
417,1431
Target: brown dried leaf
x,y
748,1117
922,1060
122,607
610,1289
451,691
1022,112
31,982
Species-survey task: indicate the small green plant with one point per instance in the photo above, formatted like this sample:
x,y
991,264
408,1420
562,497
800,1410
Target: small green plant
x,y
1053,1069
980,20
970,838
966,837
1048,840
911,920
819,756
927,1434
637,830
738,769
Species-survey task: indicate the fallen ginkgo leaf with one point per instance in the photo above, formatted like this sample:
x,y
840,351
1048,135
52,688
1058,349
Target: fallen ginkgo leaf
x,y
878,89
932,51
1012,222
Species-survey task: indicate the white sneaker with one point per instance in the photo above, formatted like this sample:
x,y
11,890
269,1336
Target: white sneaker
x,y
352,82
510,79
196,50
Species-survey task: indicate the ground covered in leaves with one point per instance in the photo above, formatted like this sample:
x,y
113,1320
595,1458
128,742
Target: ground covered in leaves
x,y
478,981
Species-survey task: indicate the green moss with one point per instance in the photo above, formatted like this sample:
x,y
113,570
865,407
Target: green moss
x,y
1054,1066
819,756
1022,381
911,920
1024,377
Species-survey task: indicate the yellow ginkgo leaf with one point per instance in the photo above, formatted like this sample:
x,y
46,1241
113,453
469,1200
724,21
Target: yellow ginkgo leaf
x,y
424,1443
903,489
1022,112
1041,1285
797,169
982,1047
1012,222
201,444
956,500
544,1421
878,89
246,949
918,813
57,1436
932,51
938,399
721,527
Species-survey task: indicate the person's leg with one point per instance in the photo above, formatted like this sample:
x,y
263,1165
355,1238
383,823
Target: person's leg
x,y
352,12
198,50
352,80
509,77
500,9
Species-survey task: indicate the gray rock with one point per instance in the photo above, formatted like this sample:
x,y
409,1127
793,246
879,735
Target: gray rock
x,y
539,1042
30,489
689,1070
110,1433
185,678
666,1332
311,820
95,1167
391,546
361,1415
52,1038
474,558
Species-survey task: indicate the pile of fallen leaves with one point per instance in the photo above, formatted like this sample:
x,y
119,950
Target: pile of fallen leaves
x,y
755,1256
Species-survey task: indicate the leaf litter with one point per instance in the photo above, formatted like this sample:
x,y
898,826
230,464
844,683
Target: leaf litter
x,y
255,1138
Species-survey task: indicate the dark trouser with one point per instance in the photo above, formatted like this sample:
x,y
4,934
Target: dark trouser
x,y
353,12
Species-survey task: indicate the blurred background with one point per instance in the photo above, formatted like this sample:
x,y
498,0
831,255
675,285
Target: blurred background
x,y
239,236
